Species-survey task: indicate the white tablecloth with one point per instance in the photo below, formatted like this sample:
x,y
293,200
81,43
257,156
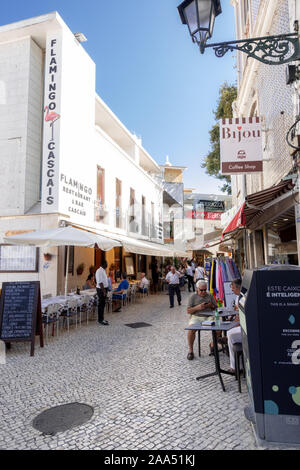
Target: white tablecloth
x,y
62,300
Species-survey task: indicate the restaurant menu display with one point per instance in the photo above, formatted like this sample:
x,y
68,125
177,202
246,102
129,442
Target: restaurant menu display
x,y
20,312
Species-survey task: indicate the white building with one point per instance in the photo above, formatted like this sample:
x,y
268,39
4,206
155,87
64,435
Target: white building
x,y
65,157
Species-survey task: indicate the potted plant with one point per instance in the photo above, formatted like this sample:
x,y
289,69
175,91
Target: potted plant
x,y
47,256
80,269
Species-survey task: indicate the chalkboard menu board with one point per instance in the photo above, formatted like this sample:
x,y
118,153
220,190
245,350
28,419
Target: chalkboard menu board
x,y
20,312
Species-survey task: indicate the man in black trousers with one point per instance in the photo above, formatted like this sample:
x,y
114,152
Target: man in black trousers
x,y
102,287
172,279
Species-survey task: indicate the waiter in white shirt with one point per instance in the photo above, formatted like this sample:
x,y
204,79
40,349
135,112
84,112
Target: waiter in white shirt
x,y
172,279
102,287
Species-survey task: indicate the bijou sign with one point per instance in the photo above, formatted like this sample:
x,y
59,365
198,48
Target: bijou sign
x,y
241,146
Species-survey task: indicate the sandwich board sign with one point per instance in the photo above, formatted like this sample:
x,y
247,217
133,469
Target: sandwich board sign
x,y
20,313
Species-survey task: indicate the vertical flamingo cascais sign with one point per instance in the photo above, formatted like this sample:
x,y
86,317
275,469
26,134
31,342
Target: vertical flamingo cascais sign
x,y
241,145
51,139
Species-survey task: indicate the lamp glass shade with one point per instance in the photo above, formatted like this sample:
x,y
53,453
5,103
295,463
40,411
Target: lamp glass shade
x,y
200,16
191,16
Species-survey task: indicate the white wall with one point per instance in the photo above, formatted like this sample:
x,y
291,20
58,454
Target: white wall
x,y
20,125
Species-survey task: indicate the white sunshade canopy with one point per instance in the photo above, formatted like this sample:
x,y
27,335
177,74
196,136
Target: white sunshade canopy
x,y
65,236
141,247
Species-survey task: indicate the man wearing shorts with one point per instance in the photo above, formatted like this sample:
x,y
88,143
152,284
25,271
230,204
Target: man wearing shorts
x,y
198,302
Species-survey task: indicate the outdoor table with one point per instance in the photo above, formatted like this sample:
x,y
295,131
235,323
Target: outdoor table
x,y
60,299
211,313
213,328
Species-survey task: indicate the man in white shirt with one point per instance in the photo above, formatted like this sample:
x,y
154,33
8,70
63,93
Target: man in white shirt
x,y
190,275
172,279
144,284
102,287
199,273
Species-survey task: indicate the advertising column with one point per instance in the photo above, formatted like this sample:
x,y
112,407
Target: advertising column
x,y
51,134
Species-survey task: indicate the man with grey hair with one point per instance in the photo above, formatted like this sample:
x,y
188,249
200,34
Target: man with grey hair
x,y
198,302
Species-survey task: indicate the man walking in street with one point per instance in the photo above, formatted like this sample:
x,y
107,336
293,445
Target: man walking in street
x,y
102,287
190,276
172,279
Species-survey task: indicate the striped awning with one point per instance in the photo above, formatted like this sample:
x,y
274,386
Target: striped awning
x,y
257,204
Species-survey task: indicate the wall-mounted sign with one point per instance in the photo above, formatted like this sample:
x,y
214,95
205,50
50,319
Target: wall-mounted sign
x,y
241,145
211,206
51,124
78,196
203,215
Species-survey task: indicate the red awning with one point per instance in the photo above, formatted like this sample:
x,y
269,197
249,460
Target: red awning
x,y
237,222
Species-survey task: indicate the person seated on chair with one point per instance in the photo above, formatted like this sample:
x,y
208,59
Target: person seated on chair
x,y
143,284
198,302
235,334
89,283
118,293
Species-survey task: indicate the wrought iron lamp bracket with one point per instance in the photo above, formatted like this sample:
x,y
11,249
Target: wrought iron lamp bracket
x,y
270,50
291,134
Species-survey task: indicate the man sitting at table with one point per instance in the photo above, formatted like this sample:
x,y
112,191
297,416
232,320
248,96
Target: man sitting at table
x,y
198,302
143,284
235,334
120,293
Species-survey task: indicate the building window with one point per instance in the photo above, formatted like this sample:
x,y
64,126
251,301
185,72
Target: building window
x,y
118,203
18,258
133,226
153,229
99,203
144,227
71,260
100,184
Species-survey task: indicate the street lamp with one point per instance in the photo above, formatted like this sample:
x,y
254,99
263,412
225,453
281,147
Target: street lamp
x,y
200,17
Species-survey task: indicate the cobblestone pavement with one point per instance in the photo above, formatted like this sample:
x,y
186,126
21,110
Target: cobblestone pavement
x,y
139,382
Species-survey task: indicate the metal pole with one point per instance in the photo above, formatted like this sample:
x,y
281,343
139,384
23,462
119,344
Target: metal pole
x,y
67,270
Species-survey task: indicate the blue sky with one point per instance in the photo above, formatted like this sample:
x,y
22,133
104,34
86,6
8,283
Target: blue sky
x,y
149,72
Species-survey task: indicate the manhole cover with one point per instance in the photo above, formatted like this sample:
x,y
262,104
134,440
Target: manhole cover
x,y
137,325
61,418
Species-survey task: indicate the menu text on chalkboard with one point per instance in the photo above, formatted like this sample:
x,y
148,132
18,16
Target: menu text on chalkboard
x,y
20,312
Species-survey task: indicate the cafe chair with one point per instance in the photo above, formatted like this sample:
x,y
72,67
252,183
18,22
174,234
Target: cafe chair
x,y
124,300
238,358
108,301
133,293
51,318
87,306
70,312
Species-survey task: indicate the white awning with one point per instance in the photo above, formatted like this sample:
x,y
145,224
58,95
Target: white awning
x,y
142,247
63,236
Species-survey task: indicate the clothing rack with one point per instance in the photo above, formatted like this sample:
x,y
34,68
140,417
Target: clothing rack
x,y
222,269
